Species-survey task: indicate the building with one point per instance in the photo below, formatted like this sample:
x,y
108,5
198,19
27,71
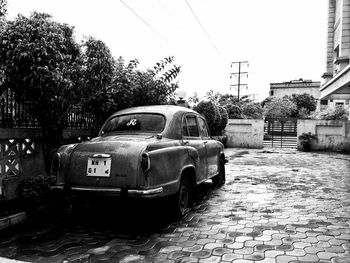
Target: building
x,y
335,92
299,86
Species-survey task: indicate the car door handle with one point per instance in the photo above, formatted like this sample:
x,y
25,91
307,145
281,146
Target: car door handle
x,y
185,142
205,142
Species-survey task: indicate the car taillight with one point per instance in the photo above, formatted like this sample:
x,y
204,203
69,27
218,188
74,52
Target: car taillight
x,y
56,164
145,162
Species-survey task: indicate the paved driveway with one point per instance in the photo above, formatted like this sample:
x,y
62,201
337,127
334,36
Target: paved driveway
x,y
276,206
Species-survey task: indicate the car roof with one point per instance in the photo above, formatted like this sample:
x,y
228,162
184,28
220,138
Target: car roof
x,y
173,115
167,110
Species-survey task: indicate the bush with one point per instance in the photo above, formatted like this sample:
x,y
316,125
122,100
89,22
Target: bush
x,y
279,108
252,110
306,140
224,119
216,118
234,111
34,190
331,114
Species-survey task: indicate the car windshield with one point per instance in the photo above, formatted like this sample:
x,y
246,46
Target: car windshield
x,y
138,122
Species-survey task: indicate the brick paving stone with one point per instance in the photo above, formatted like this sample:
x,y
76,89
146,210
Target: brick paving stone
x,y
275,207
201,254
230,257
285,259
313,250
296,252
326,255
236,245
309,258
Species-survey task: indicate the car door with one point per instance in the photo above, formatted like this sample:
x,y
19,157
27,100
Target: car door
x,y
191,138
212,148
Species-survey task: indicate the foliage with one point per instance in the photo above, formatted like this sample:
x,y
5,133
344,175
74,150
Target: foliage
x,y
331,114
279,108
98,71
215,116
41,61
304,101
234,111
194,100
167,75
266,101
252,110
304,105
132,87
303,113
3,8
306,139
34,190
207,109
223,120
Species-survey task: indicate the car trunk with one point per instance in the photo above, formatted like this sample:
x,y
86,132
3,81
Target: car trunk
x,y
123,168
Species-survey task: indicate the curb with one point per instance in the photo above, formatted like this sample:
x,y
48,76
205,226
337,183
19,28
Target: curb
x,y
12,220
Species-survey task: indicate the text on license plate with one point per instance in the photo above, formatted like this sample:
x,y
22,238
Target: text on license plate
x,y
99,166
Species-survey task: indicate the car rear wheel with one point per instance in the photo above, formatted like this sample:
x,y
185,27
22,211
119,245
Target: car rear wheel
x,y
183,198
220,178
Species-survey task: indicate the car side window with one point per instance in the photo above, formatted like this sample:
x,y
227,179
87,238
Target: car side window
x,y
192,127
203,130
184,128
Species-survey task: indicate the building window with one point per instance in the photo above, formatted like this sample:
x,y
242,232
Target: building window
x,y
271,92
324,102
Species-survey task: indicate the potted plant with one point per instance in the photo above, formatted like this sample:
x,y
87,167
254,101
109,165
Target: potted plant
x,y
306,139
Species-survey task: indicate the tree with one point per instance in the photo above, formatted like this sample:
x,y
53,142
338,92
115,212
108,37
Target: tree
x,y
304,101
98,72
279,108
252,110
133,87
3,8
41,62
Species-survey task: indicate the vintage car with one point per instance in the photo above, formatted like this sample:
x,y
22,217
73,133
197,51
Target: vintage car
x,y
144,152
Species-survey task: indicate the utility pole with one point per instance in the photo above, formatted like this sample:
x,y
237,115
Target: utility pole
x,y
238,74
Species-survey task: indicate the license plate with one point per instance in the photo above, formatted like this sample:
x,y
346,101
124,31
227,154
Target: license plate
x,y
99,166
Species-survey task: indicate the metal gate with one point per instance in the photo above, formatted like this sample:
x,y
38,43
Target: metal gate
x,y
281,133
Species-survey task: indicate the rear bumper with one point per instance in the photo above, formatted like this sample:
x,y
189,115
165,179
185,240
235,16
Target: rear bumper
x,y
141,193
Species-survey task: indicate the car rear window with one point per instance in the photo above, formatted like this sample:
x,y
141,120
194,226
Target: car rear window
x,y
139,122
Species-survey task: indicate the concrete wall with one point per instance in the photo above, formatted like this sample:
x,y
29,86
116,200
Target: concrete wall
x,y
21,155
245,133
332,135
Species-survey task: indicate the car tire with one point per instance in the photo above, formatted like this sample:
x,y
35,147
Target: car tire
x,y
183,198
220,179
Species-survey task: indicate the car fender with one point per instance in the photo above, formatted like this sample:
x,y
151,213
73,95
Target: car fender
x,y
194,155
167,165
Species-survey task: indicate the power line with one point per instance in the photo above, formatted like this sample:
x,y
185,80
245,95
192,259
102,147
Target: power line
x,y
199,22
143,20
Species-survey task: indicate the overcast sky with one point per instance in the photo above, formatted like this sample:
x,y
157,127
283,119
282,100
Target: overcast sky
x,y
282,39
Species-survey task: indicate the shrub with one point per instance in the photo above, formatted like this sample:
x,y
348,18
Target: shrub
x,y
34,190
216,118
224,119
252,110
279,108
306,139
331,114
234,111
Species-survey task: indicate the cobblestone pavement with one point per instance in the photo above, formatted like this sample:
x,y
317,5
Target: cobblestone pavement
x,y
276,206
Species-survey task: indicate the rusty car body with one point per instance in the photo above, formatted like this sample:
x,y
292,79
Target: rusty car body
x,y
144,152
